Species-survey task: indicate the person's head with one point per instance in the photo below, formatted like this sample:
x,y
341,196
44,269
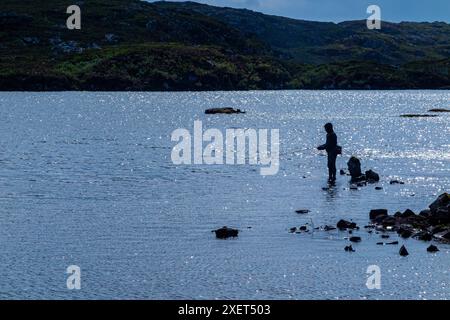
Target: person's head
x,y
328,128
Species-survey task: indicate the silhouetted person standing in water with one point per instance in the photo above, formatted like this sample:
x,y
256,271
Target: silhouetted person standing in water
x,y
332,150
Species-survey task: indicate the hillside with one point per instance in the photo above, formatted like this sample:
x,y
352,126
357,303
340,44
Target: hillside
x,y
135,45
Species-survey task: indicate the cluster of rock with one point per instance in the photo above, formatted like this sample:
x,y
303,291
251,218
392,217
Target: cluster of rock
x,y
429,224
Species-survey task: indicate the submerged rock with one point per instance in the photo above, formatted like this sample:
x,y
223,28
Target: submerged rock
x,y
223,111
414,115
393,243
225,232
329,228
403,252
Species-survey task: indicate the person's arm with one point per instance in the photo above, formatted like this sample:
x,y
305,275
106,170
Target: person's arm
x,y
324,146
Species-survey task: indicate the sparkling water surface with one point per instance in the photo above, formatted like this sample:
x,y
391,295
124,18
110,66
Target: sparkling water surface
x,y
87,179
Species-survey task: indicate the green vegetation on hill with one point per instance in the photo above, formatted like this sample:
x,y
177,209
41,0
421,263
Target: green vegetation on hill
x,y
135,45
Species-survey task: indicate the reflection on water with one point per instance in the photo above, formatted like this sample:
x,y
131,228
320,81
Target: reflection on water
x,y
331,192
86,179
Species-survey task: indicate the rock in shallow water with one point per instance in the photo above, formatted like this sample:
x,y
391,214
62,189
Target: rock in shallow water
x,y
403,252
225,232
344,225
329,228
372,176
349,249
223,111
375,213
441,202
432,249
355,239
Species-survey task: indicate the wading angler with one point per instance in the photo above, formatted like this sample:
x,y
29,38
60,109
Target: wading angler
x,y
213,147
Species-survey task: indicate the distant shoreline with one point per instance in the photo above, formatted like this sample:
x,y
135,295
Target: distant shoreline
x,y
207,91
188,46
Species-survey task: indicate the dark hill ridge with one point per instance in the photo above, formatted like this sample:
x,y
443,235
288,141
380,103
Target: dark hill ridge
x,y
324,42
135,45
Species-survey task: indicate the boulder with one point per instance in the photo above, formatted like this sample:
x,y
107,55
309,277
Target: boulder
x,y
408,213
372,176
440,216
225,233
442,201
403,252
432,249
398,215
386,221
344,225
404,232
375,213
425,213
223,111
